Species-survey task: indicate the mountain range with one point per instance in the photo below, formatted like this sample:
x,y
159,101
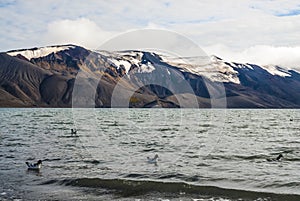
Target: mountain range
x,y
73,76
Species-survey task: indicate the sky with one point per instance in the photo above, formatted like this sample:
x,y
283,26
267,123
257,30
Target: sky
x,y
265,32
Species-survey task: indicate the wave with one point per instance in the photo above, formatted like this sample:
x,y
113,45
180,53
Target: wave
x,y
43,115
260,157
129,187
167,129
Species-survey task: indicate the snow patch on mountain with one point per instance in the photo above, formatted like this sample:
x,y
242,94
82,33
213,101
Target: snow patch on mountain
x,y
39,52
146,68
213,67
276,70
119,63
222,71
128,59
217,69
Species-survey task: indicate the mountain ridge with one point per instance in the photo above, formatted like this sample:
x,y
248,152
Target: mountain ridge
x,y
45,77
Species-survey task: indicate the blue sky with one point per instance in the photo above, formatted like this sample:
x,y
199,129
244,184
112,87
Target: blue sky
x,y
237,30
289,13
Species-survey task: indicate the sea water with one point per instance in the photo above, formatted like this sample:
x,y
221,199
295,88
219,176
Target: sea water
x,y
204,154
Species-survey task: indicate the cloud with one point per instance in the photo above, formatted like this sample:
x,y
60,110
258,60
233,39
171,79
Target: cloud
x,y
82,32
276,7
247,31
288,57
236,25
205,20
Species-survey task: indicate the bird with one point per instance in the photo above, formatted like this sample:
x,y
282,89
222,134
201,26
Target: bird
x,y
73,131
34,166
153,160
278,158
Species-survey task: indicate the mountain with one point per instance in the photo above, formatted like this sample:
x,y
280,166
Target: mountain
x,y
69,75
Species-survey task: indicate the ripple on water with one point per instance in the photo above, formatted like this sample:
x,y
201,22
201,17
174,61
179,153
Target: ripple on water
x,y
237,159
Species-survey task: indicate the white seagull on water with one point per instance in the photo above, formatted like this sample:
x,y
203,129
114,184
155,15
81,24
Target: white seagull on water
x,y
34,166
153,160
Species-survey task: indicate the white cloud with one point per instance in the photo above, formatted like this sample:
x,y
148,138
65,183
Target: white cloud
x,y
236,25
288,57
246,31
82,32
276,7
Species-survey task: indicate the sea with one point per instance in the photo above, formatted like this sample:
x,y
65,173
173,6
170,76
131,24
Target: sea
x,y
203,154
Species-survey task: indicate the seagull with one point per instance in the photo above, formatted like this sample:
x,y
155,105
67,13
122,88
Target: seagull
x,y
73,131
153,160
34,166
275,159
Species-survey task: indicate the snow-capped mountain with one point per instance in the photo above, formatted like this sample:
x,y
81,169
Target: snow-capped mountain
x,y
39,52
46,76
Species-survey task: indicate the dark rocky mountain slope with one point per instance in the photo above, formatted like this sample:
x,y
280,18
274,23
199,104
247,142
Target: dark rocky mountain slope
x,y
68,75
